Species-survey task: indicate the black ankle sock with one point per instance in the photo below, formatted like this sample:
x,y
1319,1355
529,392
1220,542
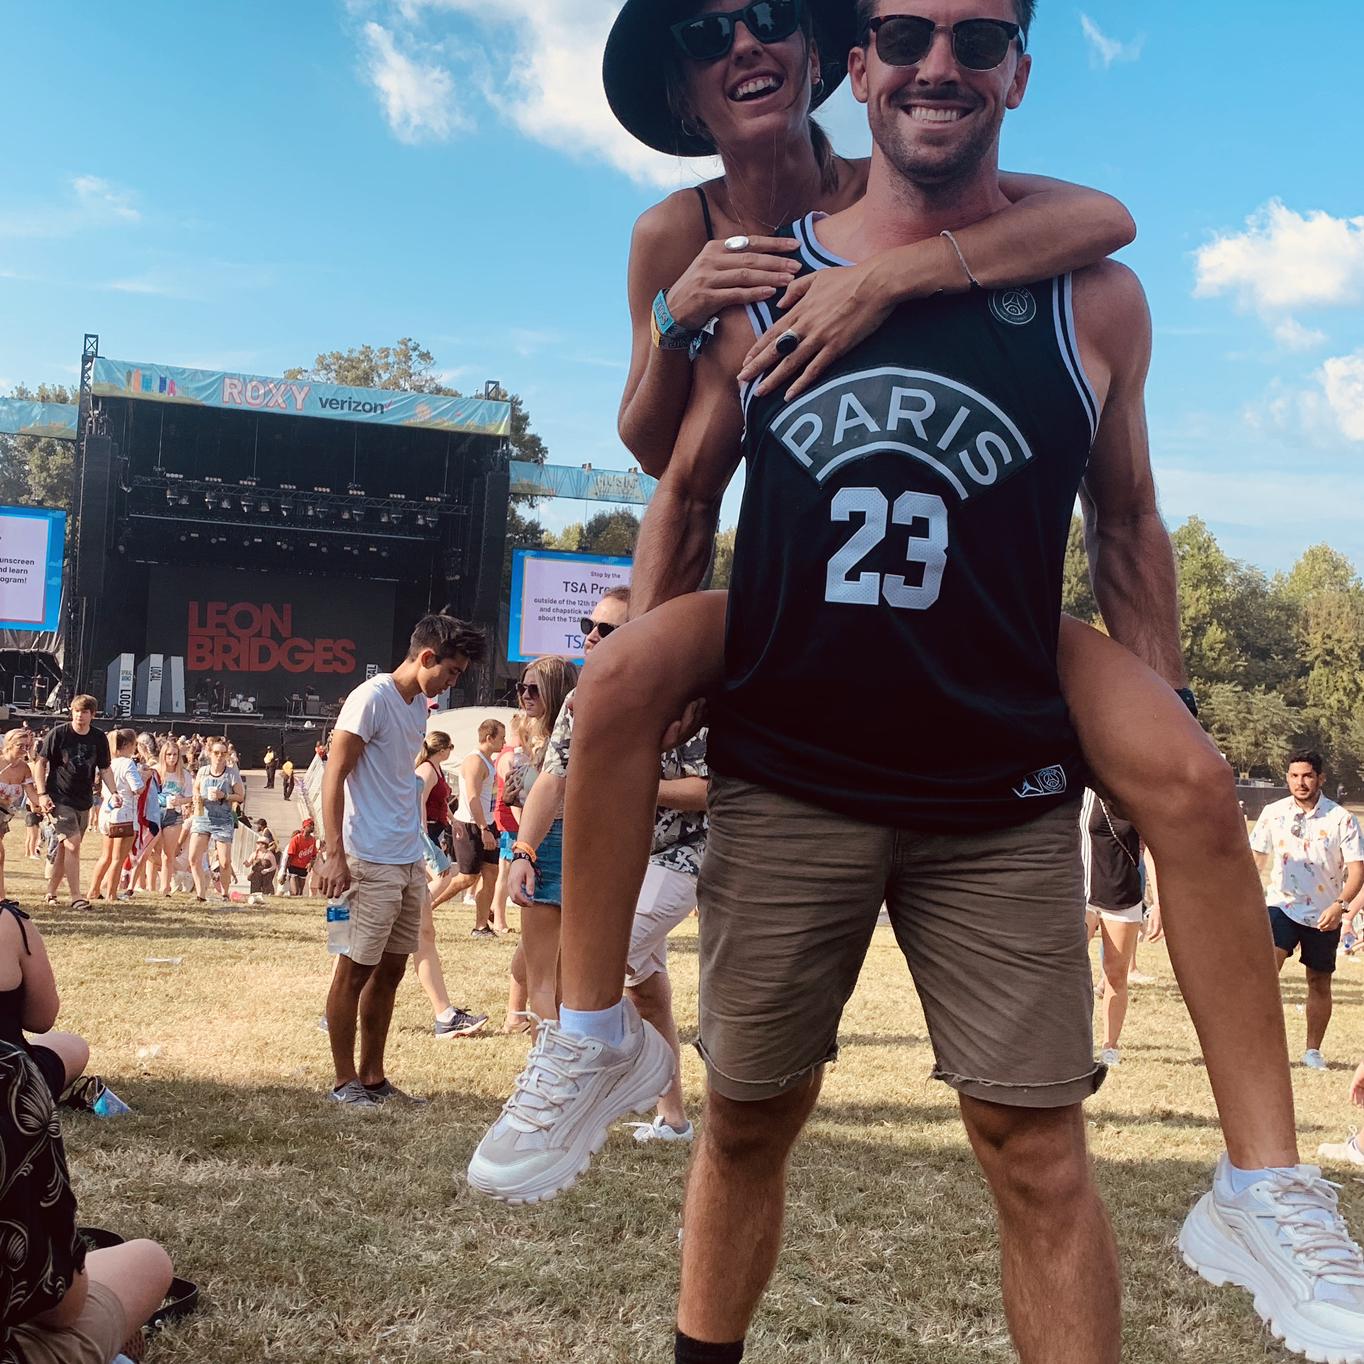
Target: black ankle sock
x,y
689,1351
379,1085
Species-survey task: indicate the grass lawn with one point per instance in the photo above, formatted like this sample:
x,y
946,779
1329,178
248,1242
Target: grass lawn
x,y
320,1234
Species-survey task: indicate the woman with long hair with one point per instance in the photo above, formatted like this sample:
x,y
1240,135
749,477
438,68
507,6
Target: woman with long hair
x,y
217,789
175,783
506,815
16,787
542,690
716,86
118,823
433,796
139,871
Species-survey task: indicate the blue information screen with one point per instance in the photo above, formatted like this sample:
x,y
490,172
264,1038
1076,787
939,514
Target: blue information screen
x,y
32,546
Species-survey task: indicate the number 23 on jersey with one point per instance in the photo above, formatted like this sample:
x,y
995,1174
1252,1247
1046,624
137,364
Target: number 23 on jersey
x,y
913,511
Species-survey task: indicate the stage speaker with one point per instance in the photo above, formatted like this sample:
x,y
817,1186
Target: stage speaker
x,y
486,596
118,686
92,533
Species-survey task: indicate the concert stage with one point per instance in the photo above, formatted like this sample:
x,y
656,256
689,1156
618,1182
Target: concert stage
x,y
279,536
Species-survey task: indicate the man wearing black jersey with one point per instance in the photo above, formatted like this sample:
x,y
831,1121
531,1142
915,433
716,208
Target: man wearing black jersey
x,y
911,512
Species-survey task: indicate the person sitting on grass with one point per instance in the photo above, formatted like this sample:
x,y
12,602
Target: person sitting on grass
x,y
29,1003
261,867
63,1303
118,816
16,786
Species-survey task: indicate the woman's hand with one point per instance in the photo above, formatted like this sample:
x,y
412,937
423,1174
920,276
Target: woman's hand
x,y
1357,1087
521,882
718,279
1155,930
830,311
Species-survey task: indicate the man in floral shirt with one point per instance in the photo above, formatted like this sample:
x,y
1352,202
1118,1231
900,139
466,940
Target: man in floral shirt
x,y
1312,850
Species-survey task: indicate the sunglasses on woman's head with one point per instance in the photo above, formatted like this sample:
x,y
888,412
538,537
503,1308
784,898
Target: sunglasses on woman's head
x,y
708,37
977,44
587,625
529,690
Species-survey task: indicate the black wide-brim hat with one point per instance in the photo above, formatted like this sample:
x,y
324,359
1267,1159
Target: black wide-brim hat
x,y
638,49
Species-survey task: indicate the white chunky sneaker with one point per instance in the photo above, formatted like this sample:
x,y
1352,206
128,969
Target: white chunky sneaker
x,y
1313,1059
1284,1240
565,1101
1344,1152
660,1130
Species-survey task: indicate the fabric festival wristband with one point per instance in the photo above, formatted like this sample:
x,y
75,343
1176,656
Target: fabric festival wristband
x,y
666,331
525,850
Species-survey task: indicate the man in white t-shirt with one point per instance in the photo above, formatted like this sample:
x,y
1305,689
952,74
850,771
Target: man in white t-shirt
x,y
374,845
1314,854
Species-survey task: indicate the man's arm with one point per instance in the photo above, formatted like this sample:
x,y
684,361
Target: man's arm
x,y
474,774
1131,559
346,751
41,769
683,793
678,534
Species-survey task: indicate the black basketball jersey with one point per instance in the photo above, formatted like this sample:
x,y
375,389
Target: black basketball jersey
x,y
1111,851
890,648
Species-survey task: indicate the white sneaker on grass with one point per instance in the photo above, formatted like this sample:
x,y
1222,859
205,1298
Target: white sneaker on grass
x,y
572,1090
1313,1059
1284,1240
662,1130
1345,1152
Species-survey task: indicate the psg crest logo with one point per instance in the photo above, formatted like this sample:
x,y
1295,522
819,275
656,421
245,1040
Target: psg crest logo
x,y
1017,307
1050,781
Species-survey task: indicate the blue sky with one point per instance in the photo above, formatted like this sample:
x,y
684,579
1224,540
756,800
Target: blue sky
x,y
240,186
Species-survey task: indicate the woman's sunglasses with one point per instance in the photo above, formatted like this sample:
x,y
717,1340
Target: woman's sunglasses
x,y
977,44
587,625
528,690
709,37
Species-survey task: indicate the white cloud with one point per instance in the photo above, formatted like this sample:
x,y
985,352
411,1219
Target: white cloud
x,y
418,95
1327,410
1286,259
105,199
1292,335
543,77
1103,50
1342,378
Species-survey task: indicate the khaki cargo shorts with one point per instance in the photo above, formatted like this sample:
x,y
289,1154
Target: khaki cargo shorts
x,y
386,906
93,1338
991,924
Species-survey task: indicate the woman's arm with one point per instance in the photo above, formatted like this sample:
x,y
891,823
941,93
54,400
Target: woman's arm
x,y
41,1001
1049,228
669,252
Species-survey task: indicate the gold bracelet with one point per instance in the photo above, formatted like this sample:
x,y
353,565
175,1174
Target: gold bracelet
x,y
975,283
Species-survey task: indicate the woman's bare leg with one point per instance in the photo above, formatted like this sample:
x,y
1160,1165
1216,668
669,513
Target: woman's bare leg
x,y
198,849
1120,946
1151,756
516,992
634,686
540,938
426,959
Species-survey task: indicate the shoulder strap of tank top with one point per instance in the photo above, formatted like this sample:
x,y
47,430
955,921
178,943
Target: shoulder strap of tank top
x,y
19,917
705,213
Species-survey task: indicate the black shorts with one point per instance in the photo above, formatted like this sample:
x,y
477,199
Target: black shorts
x,y
299,873
32,820
1318,948
52,1068
470,854
439,834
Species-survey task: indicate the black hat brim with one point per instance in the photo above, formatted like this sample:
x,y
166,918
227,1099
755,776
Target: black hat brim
x,y
638,47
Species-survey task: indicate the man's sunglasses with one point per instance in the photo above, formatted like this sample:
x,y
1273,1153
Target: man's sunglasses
x,y
587,625
529,690
709,37
977,44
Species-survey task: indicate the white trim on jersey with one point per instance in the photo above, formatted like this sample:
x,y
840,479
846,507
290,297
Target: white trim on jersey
x,y
1087,842
1063,314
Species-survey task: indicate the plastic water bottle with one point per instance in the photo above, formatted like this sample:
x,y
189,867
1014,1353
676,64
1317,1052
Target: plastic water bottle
x,y
338,928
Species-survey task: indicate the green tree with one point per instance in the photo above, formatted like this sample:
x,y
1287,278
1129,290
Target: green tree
x,y
36,471
1077,591
1255,729
722,563
611,532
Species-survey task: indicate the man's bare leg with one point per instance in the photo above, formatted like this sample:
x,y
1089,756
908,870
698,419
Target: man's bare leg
x,y
376,1013
483,896
633,687
1318,1008
1151,756
735,1209
1062,1291
343,1005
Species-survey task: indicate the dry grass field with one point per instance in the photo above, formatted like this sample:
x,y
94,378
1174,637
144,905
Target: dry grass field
x,y
319,1234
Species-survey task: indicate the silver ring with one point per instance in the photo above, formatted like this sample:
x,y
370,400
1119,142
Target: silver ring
x,y
787,344
736,243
